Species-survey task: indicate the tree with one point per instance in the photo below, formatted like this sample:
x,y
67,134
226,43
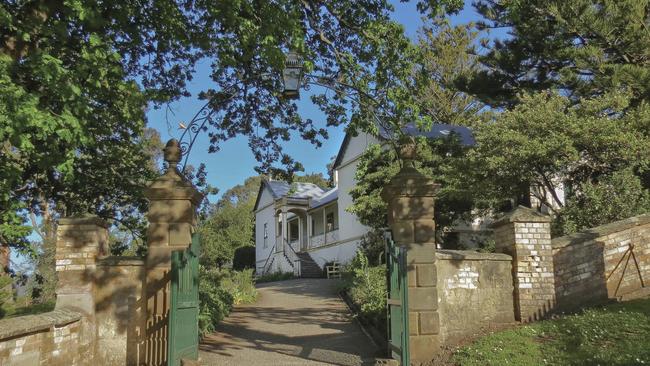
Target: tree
x,y
546,142
77,76
230,224
442,55
583,47
574,78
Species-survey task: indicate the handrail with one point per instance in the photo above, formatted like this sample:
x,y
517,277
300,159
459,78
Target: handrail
x,y
295,258
267,261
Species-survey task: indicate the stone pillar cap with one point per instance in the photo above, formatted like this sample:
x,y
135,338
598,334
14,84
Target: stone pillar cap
x,y
521,214
172,185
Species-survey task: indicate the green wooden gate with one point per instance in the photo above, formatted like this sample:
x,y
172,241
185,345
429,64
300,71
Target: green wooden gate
x,y
398,307
184,310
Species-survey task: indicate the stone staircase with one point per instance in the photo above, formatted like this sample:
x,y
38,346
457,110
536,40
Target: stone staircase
x,y
308,268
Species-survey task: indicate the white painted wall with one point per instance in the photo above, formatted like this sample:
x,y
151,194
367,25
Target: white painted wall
x,y
342,253
265,214
349,225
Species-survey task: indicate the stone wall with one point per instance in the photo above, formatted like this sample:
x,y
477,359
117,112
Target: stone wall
x,y
474,291
51,339
606,262
119,310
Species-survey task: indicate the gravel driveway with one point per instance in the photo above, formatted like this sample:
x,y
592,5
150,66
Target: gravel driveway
x,y
295,322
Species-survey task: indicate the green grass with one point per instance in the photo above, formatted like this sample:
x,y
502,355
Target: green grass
x,y
613,335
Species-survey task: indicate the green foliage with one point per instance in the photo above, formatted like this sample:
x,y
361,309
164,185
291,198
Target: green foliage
x,y
230,224
6,295
215,302
612,335
442,55
42,284
573,79
373,245
439,159
219,290
584,47
274,276
76,78
614,197
21,308
547,141
366,286
241,286
244,258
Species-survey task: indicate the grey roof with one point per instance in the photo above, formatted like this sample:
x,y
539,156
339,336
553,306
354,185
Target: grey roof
x,y
279,189
438,130
325,198
298,190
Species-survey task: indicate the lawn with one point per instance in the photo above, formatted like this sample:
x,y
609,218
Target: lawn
x,y
616,334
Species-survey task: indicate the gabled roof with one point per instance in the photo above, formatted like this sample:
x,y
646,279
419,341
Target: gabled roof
x,y
294,190
438,130
279,189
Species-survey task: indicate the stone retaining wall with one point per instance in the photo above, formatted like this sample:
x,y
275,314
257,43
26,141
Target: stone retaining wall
x,y
474,291
46,339
606,262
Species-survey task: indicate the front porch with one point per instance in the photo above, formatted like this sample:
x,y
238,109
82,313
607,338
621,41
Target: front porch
x,y
300,229
303,229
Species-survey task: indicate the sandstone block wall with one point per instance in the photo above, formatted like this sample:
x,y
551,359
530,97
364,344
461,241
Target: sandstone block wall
x,y
119,310
46,339
606,262
474,291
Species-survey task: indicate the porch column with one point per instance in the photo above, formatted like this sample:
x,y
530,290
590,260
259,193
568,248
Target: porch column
x,y
172,216
285,229
299,234
309,231
324,228
410,198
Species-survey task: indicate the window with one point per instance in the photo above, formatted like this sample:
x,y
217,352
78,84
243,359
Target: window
x,y
293,230
329,221
266,233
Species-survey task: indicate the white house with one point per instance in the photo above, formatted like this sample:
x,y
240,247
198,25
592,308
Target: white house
x,y
300,227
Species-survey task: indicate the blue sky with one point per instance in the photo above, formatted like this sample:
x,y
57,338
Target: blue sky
x,y
234,162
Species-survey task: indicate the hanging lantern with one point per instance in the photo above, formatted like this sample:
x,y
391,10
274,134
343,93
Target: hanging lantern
x,y
292,75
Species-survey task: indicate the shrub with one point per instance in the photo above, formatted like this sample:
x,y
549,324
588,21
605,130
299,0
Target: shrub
x,y
373,244
215,303
275,276
219,290
244,258
241,286
366,286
